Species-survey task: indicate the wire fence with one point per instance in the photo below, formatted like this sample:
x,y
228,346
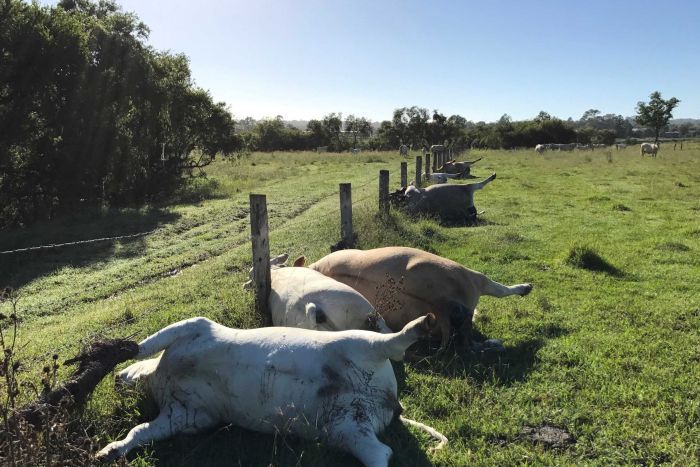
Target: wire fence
x,y
122,324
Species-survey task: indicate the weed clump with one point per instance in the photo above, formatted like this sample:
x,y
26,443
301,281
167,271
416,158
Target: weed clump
x,y
621,208
584,257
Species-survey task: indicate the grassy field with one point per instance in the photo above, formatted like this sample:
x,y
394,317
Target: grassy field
x,y
606,346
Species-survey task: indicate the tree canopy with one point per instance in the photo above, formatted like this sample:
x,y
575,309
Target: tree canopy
x,y
657,113
90,113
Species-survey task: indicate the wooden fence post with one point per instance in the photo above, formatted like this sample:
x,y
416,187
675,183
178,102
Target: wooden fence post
x,y
435,166
261,255
427,166
346,234
384,192
419,168
404,174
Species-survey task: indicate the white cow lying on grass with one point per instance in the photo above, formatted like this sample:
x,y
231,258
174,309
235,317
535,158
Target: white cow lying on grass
x,y
338,388
303,298
439,177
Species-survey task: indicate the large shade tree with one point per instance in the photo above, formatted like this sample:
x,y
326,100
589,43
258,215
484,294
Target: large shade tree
x,y
656,113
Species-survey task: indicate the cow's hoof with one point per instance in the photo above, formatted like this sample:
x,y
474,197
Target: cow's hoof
x,y
107,455
490,346
527,288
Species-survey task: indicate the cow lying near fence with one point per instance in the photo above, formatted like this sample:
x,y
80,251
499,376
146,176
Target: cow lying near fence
x,y
439,177
462,168
336,387
303,298
452,204
404,283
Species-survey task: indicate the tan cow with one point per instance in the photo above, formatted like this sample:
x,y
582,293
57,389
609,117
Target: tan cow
x,y
405,283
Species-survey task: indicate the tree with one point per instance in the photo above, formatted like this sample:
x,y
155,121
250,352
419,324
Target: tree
x,y
657,113
358,126
542,117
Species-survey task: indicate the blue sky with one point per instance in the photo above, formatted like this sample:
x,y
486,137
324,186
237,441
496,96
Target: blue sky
x,y
305,58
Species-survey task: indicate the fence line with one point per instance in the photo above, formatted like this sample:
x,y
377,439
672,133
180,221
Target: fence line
x,y
78,242
105,330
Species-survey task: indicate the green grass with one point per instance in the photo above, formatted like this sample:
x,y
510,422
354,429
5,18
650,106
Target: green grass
x,y
606,346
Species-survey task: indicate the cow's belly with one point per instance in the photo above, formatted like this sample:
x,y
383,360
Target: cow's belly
x,y
289,390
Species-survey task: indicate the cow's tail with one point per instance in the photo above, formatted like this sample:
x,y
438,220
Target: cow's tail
x,y
442,439
169,334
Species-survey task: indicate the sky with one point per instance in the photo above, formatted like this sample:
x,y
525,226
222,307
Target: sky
x,y
303,59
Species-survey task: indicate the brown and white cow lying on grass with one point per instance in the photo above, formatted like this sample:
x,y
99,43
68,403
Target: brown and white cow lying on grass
x,y
338,388
405,283
449,203
303,298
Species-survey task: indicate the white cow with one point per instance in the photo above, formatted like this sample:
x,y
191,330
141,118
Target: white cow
x,y
648,148
438,177
338,388
303,298
540,148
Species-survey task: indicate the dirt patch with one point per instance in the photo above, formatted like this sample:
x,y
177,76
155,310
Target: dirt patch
x,y
549,436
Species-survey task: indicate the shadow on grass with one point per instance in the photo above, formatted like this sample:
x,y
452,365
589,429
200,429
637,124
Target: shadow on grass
x,y
506,367
584,257
17,269
232,445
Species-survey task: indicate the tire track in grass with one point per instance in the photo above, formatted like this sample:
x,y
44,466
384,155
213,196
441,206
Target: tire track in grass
x,y
239,239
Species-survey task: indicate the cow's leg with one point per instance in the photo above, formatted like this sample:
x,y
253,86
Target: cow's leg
x,y
444,325
479,185
137,371
495,289
361,441
394,345
171,420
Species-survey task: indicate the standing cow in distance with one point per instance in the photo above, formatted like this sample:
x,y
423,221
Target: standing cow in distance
x,y
540,148
649,148
403,150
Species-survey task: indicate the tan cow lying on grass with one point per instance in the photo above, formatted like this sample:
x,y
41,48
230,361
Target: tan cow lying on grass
x,y
338,388
405,283
303,298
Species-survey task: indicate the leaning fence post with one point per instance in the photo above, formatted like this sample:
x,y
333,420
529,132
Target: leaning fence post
x,y
384,192
419,168
404,174
261,255
427,166
346,234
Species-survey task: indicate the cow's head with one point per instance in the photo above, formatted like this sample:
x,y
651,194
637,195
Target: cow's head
x,y
275,263
319,320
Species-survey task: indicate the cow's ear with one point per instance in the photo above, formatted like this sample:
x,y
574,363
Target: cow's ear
x,y
300,261
278,260
315,315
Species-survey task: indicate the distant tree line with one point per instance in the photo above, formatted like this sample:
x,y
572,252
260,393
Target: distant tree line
x,y
417,127
90,114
